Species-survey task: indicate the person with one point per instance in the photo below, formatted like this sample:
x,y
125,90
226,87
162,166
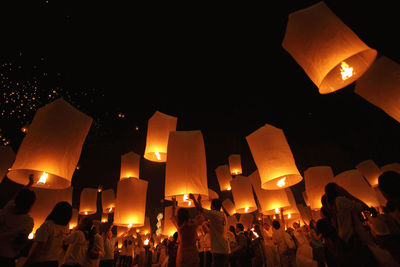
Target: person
x,y
77,243
218,229
49,237
271,251
95,248
241,251
389,185
304,256
107,260
284,243
122,255
16,224
231,238
187,255
318,248
204,246
257,244
172,249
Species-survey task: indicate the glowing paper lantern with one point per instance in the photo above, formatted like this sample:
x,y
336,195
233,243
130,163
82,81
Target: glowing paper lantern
x,y
382,200
108,200
206,203
391,167
7,157
52,147
292,209
231,220
229,207
130,202
145,229
276,200
130,165
235,165
246,220
316,178
243,195
305,197
329,52
370,171
380,86
88,201
273,157
186,169
46,199
158,129
104,217
74,219
356,185
224,177
168,226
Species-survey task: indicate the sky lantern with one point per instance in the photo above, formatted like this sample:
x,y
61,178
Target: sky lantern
x,y
168,226
104,217
274,200
235,164
7,157
229,207
273,157
263,196
74,219
370,171
305,198
52,146
380,86
130,202
395,166
108,200
246,220
231,220
46,199
206,203
224,177
186,169
145,229
329,52
88,201
243,195
316,178
130,163
158,128
291,212
356,185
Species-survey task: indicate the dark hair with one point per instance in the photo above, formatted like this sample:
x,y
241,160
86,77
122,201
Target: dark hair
x,y
326,229
276,224
61,213
175,236
331,192
240,226
85,224
232,229
183,216
216,204
389,183
24,200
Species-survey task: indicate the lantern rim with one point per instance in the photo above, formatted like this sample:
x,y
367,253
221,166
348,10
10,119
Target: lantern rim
x,y
332,82
151,156
88,212
21,176
291,179
184,204
133,225
242,210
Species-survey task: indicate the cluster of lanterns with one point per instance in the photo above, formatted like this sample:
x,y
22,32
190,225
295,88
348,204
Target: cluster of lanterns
x,y
330,54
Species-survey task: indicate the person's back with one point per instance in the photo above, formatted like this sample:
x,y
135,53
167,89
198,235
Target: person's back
x,y
77,250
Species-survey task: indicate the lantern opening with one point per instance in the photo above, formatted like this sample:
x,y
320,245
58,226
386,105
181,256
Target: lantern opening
x,y
157,155
281,182
346,71
43,179
246,209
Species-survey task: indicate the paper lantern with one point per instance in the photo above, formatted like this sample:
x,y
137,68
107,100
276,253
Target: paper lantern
x,y
158,129
46,199
380,86
224,177
186,169
108,200
273,157
370,171
74,219
7,157
246,220
231,220
130,165
306,200
235,165
292,208
356,185
104,217
130,202
229,207
391,167
329,52
316,178
168,226
145,229
243,195
52,147
88,201
305,212
206,203
277,199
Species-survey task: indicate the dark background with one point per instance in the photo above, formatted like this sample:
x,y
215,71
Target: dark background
x,y
220,68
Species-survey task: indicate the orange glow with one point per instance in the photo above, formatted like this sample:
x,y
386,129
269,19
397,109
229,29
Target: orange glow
x,y
277,210
130,225
157,155
43,179
346,71
146,242
229,189
246,209
281,182
86,213
30,236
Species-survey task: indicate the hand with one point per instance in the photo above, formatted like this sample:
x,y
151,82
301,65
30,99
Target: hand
x,y
199,199
191,196
30,181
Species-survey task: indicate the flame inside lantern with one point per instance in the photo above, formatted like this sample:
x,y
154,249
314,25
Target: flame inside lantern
x,y
246,209
281,182
43,179
146,242
30,236
277,210
158,155
289,216
229,188
346,71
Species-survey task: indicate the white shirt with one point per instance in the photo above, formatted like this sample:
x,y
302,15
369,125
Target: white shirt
x,y
52,236
345,210
109,244
12,225
98,245
77,250
204,242
218,229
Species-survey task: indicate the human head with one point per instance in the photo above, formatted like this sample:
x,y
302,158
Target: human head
x,y
216,204
85,223
239,227
389,183
175,236
24,200
296,225
331,191
276,224
183,216
232,229
61,213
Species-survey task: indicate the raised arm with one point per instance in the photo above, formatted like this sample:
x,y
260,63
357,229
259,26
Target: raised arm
x,y
197,202
173,218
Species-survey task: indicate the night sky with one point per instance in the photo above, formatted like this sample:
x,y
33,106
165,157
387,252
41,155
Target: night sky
x,y
219,68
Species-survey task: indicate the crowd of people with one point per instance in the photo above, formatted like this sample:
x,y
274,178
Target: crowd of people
x,y
349,233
